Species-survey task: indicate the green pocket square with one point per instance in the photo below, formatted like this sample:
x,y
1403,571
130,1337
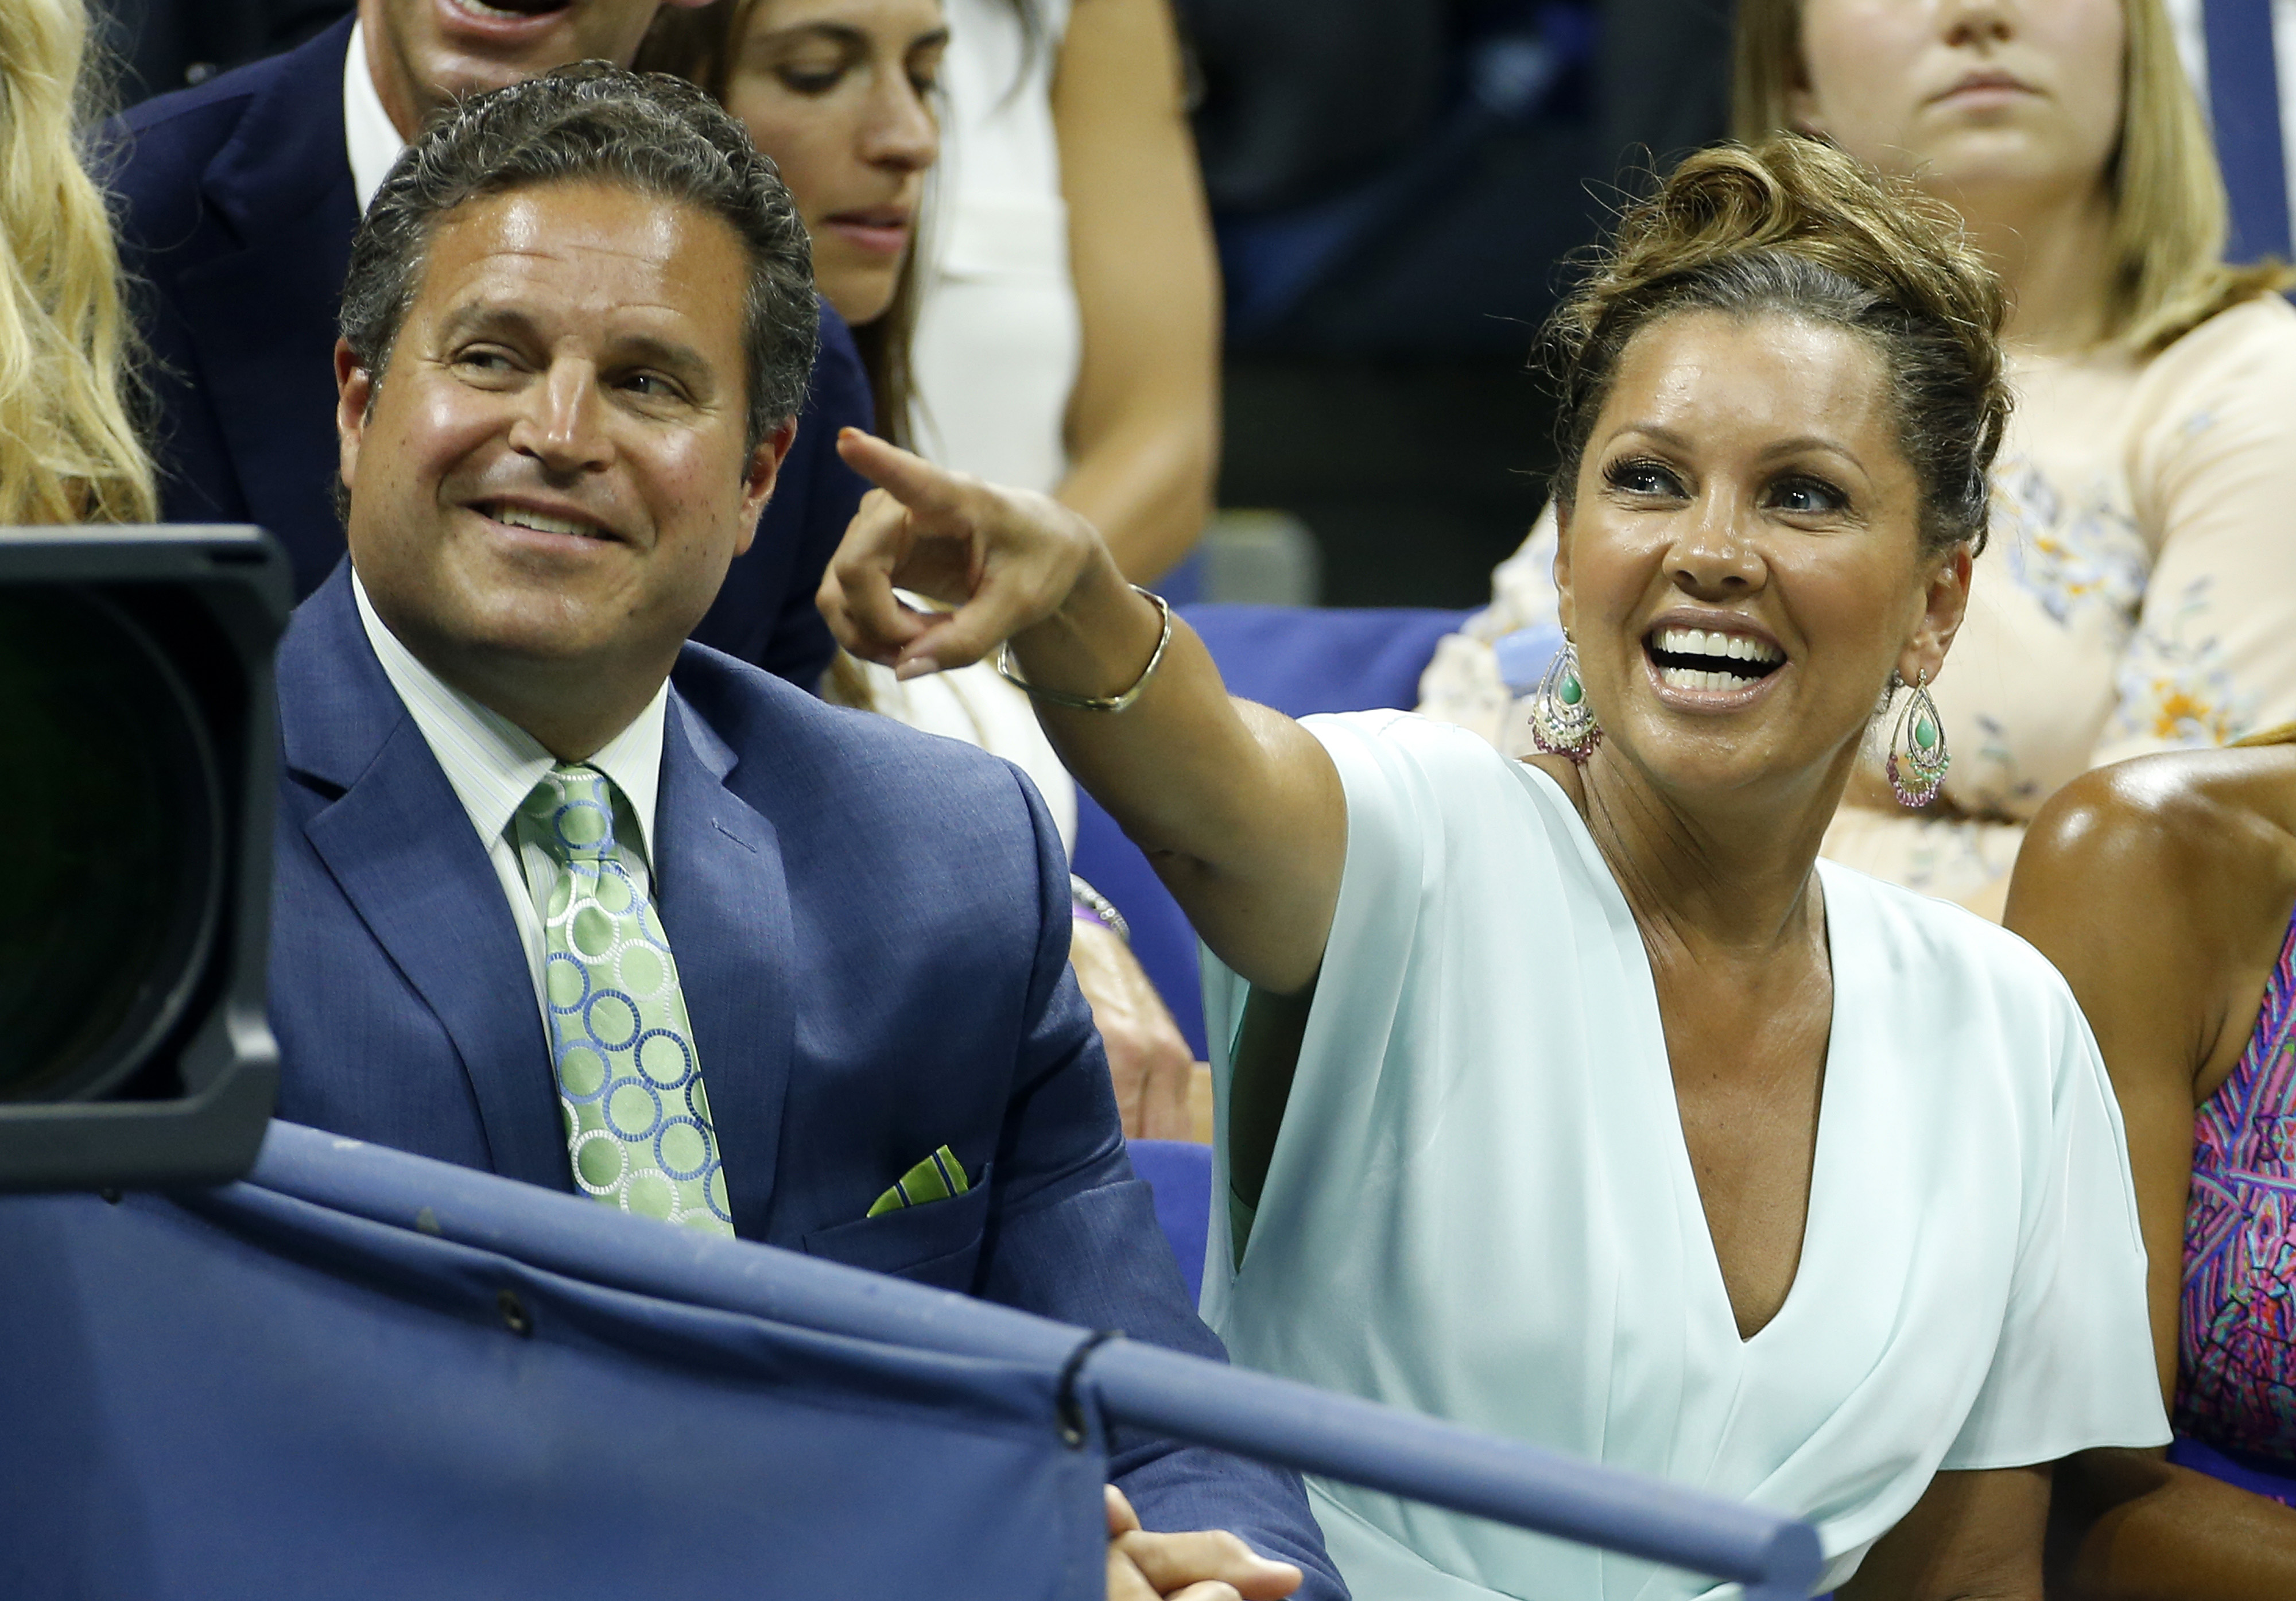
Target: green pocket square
x,y
937,1178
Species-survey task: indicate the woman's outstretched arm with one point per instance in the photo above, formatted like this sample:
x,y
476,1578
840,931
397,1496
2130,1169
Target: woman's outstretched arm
x,y
1238,807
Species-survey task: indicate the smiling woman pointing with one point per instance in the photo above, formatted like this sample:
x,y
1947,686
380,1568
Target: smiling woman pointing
x,y
1574,1098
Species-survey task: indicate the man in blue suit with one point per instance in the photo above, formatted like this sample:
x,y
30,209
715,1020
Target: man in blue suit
x,y
238,201
564,896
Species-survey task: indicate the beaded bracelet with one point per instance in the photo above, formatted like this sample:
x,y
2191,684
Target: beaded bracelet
x,y
1116,702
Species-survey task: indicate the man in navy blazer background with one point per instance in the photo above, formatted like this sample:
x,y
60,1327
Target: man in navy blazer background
x,y
558,426
238,200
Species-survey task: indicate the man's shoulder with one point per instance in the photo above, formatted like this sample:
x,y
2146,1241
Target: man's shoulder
x,y
805,740
284,107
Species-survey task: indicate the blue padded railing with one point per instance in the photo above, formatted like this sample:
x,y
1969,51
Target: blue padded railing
x,y
1276,1420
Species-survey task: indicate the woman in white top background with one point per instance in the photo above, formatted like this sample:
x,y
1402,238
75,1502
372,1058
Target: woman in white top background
x,y
1067,334
2139,594
1574,1098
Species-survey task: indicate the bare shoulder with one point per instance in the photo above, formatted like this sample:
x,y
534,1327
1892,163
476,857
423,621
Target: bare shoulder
x,y
2163,885
2224,818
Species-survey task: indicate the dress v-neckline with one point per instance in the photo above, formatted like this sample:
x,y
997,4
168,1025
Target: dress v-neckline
x,y
1636,956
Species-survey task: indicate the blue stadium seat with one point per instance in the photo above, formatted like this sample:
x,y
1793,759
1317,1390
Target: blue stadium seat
x,y
1179,1173
1299,659
2245,108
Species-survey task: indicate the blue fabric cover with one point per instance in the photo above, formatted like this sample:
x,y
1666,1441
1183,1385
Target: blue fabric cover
x,y
257,1396
235,214
1299,659
1179,1174
364,1373
871,927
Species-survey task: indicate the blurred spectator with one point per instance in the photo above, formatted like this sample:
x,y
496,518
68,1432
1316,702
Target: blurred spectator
x,y
1068,334
67,452
239,200
163,45
842,95
1393,187
2140,592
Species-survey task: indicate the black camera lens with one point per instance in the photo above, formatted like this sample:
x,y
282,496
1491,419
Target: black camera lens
x,y
111,870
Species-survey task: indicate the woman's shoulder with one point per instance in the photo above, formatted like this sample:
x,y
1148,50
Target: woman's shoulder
x,y
1430,786
2253,339
1938,953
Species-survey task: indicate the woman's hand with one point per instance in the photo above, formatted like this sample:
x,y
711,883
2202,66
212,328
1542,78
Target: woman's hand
x,y
1239,810
1005,560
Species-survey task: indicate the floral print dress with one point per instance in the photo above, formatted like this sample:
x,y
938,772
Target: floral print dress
x,y
2138,594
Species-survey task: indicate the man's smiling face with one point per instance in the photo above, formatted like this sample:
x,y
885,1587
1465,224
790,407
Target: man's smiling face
x,y
553,472
425,52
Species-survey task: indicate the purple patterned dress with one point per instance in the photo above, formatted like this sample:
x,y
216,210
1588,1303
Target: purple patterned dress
x,y
2236,1368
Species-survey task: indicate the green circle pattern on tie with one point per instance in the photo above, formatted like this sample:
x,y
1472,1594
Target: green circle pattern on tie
x,y
629,1083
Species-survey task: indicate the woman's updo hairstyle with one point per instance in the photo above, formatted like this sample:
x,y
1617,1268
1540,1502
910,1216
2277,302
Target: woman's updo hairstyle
x,y
1794,227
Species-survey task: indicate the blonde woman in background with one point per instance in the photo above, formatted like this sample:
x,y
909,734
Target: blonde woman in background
x,y
2140,591
68,451
845,96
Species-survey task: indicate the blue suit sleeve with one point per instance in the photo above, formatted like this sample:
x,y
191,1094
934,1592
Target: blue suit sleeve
x,y
1074,1236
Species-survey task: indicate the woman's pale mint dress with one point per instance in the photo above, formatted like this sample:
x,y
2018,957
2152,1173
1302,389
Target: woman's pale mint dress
x,y
1481,1206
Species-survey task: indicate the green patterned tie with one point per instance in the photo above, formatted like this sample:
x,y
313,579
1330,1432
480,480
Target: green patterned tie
x,y
637,1121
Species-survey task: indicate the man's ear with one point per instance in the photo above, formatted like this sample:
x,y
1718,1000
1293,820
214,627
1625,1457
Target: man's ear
x,y
353,394
758,478
1944,605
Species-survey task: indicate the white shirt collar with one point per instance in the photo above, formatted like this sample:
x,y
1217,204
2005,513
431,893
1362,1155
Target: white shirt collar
x,y
374,143
492,762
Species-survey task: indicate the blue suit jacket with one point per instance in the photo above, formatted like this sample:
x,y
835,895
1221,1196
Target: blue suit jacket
x,y
236,216
870,928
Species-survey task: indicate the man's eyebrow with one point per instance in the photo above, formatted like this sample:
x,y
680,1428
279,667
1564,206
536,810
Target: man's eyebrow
x,y
485,317
674,355
512,321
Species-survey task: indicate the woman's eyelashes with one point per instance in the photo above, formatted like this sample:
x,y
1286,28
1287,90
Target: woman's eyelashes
x,y
1644,479
1797,494
1803,495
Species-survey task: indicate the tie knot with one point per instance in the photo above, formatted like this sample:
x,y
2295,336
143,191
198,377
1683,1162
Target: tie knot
x,y
572,810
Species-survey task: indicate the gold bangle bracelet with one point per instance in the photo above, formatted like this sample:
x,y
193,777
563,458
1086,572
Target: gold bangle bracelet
x,y
1116,702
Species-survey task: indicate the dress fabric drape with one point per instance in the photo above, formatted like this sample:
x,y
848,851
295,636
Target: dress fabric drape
x,y
1481,1206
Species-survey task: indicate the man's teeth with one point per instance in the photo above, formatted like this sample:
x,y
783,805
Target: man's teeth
x,y
519,517
1699,642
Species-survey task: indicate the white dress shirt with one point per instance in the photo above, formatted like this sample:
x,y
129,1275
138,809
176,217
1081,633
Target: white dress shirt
x,y
493,765
374,143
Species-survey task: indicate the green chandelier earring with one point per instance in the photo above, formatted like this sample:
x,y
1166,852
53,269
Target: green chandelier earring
x,y
1918,758
1562,723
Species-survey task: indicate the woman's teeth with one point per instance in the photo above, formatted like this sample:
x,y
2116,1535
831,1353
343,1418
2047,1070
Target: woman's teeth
x,y
1689,678
1699,659
1733,647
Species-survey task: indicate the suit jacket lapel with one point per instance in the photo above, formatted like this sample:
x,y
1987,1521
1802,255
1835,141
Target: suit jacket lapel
x,y
725,904
401,847
263,318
